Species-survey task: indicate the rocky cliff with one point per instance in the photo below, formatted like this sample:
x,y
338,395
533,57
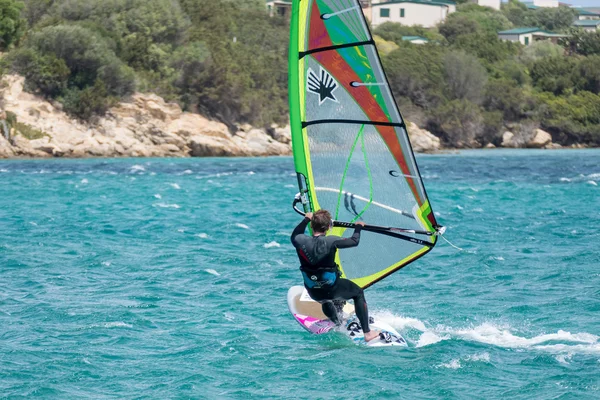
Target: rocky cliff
x,y
145,126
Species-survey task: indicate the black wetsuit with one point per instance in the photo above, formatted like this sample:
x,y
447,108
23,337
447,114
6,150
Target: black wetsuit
x,y
321,273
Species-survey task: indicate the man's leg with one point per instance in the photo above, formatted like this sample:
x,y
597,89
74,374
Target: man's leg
x,y
330,311
346,289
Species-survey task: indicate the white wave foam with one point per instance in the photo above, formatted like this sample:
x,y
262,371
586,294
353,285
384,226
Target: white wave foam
x,y
243,226
212,271
594,176
106,263
175,186
137,168
564,358
187,171
428,338
479,357
454,364
271,244
84,181
164,205
490,334
181,230
158,196
202,235
3,170
117,325
571,349
592,183
565,180
400,322
251,172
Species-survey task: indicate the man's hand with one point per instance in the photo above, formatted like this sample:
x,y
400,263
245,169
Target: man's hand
x,y
360,223
308,215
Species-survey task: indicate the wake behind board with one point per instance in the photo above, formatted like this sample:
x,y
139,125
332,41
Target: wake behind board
x,y
309,315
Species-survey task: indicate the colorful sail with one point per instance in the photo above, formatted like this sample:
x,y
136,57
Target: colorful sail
x,y
351,150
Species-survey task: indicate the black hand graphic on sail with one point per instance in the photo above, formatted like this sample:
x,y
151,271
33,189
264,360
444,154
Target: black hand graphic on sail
x,y
323,85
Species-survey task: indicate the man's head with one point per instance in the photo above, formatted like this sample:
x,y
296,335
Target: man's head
x,y
321,221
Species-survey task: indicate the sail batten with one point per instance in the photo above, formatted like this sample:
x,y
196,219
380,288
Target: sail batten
x,y
351,149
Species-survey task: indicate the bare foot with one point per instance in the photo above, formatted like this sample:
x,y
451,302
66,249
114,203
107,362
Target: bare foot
x,y
371,335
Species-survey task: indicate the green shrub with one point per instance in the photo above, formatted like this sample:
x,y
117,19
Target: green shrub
x,y
88,102
44,73
29,132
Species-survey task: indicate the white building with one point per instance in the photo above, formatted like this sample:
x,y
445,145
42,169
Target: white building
x,y
533,4
282,8
583,14
588,25
495,4
412,12
527,36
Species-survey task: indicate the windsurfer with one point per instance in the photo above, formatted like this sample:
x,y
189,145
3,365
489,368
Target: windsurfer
x,y
321,273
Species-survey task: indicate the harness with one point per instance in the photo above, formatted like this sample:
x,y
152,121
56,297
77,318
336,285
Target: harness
x,y
319,278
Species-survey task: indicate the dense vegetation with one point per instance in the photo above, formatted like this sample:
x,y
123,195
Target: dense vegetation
x,y
469,87
227,59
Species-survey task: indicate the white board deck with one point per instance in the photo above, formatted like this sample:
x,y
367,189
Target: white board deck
x,y
309,315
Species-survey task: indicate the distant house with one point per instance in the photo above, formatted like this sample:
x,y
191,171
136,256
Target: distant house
x,y
527,36
279,7
588,25
425,13
415,39
583,14
533,4
495,4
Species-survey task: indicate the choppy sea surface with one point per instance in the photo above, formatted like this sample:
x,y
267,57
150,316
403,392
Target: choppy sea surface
x,y
167,278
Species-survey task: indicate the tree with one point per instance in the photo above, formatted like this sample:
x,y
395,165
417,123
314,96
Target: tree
x,y
582,42
11,24
553,74
465,77
553,18
511,100
458,122
540,49
572,119
416,72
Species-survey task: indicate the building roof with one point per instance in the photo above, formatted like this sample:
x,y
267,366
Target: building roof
x,y
530,5
520,31
586,12
587,22
411,38
439,3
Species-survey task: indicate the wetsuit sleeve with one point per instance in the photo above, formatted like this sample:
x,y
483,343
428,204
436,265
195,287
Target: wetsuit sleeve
x,y
352,241
299,230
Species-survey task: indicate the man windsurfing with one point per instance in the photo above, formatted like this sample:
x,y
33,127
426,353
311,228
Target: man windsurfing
x,y
320,272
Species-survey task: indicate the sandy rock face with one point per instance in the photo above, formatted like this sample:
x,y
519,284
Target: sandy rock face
x,y
540,139
422,140
143,127
508,140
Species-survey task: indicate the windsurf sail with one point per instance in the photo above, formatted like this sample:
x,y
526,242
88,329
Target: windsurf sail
x,y
351,151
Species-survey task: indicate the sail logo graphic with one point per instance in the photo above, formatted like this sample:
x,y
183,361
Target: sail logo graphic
x,y
323,85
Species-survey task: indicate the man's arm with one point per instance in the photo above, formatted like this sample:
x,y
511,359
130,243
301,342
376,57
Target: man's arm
x,y
352,241
299,230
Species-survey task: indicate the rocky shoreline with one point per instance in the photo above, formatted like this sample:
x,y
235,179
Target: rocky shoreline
x,y
147,126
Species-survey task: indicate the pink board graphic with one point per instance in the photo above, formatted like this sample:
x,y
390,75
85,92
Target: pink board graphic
x,y
315,325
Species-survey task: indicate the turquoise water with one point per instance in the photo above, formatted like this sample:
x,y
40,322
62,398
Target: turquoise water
x,y
162,278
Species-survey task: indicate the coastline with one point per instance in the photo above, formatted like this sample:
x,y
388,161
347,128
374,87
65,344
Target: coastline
x,y
147,126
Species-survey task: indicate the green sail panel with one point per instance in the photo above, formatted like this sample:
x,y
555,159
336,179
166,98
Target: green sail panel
x,y
351,150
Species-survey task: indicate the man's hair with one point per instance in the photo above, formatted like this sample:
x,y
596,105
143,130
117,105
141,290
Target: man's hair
x,y
321,221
